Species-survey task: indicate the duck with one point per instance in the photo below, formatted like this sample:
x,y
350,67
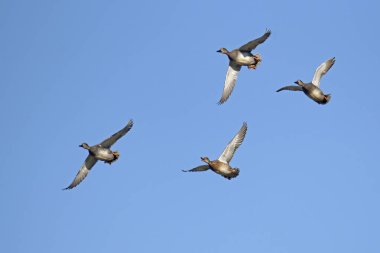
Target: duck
x,y
239,57
312,89
222,166
100,152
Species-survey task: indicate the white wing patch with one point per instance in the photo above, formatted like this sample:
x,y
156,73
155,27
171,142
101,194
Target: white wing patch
x,y
233,145
229,83
322,70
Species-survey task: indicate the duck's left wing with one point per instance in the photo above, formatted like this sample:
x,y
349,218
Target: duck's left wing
x,y
229,83
199,168
293,88
322,70
107,143
233,145
83,171
254,43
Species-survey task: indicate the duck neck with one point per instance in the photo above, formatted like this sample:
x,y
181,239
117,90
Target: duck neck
x,y
85,146
205,159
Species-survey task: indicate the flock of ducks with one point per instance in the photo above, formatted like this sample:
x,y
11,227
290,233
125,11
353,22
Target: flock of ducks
x,y
239,57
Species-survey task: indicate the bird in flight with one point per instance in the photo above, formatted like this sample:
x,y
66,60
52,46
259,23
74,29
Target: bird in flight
x,y
100,152
222,166
312,89
237,58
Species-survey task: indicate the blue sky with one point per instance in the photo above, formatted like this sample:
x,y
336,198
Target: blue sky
x,y
77,71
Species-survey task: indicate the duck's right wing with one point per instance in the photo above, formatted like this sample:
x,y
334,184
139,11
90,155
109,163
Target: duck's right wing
x,y
83,171
254,43
199,168
293,88
322,70
229,83
233,145
107,143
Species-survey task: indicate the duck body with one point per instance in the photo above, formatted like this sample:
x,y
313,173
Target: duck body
x,y
223,169
315,93
104,154
243,58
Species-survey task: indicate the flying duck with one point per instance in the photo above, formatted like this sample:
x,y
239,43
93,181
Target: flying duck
x,y
237,58
100,152
312,89
222,166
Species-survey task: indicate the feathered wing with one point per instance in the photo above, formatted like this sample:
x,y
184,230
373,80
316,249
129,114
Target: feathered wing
x,y
254,43
229,83
233,145
199,168
107,143
293,88
322,70
83,171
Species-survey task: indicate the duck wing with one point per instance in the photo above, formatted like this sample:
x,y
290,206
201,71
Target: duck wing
x,y
229,83
83,171
254,43
107,143
293,88
199,168
233,145
322,70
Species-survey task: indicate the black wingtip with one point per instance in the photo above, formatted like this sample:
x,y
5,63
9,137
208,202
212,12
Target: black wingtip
x,y
130,123
69,188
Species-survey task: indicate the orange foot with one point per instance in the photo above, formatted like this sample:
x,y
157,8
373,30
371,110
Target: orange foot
x,y
115,157
257,57
253,66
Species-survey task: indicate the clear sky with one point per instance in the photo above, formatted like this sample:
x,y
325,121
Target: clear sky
x,y
77,71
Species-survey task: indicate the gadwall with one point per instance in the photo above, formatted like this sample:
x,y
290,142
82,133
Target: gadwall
x,y
222,166
100,152
312,89
240,57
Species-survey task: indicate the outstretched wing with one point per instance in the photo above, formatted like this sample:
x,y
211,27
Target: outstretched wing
x,y
229,151
111,140
229,83
322,70
83,171
199,168
293,88
254,43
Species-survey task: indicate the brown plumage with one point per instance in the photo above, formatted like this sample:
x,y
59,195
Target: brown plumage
x,y
222,166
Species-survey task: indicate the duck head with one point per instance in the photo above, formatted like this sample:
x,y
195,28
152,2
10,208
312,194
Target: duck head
x,y
223,51
85,146
299,82
205,159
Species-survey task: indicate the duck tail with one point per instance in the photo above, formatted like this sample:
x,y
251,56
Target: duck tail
x,y
258,58
116,154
